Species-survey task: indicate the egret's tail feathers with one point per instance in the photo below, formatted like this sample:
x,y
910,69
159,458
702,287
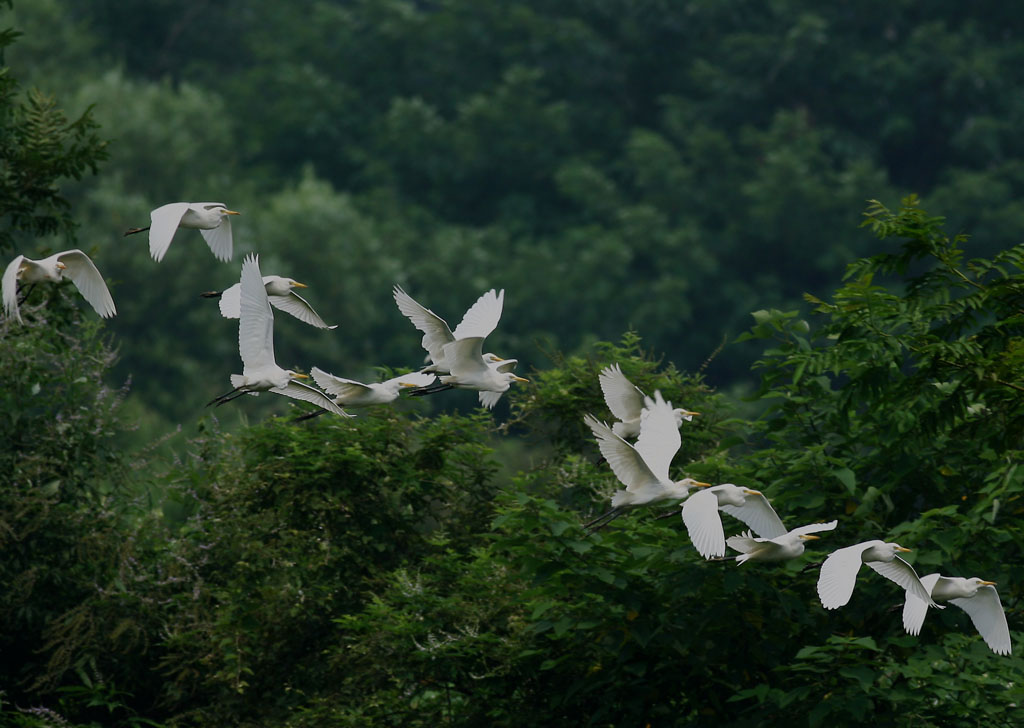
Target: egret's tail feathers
x,y
237,381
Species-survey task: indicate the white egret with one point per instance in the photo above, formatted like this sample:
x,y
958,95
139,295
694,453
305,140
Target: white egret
x,y
282,296
975,596
210,218
839,572
642,468
626,402
350,393
74,265
260,372
788,546
478,322
704,524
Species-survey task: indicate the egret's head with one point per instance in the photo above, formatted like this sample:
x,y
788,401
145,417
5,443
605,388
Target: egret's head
x,y
901,549
492,358
226,211
981,582
691,483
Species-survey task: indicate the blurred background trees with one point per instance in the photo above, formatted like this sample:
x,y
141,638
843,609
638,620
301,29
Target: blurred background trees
x,y
664,168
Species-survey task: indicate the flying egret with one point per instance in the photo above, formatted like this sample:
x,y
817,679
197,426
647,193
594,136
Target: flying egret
x,y
260,372
704,524
642,468
350,393
478,322
839,572
210,218
74,265
626,402
787,546
281,295
975,596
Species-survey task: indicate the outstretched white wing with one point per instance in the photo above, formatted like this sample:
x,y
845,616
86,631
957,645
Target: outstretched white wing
x,y
758,513
703,524
87,279
219,238
338,386
489,399
298,390
814,528
256,320
296,305
839,572
915,609
482,317
414,379
163,223
435,331
624,399
231,302
901,572
465,357
10,288
659,439
986,611
627,464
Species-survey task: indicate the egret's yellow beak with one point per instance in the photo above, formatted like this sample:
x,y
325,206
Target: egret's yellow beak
x,y
495,357
903,550
691,414
299,285
407,384
989,583
809,537
231,212
301,376
698,484
520,379
751,491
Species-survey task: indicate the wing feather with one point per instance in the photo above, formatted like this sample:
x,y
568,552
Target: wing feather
x,y
10,288
163,223
230,302
87,279
901,572
814,528
482,317
489,399
700,514
758,513
838,574
435,330
296,305
465,357
659,439
219,240
986,611
338,386
256,319
627,464
915,609
624,399
298,390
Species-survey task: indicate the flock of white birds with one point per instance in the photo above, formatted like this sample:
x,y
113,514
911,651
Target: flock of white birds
x,y
457,360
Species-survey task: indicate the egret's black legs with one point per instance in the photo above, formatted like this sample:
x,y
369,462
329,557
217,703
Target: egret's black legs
x,y
26,294
603,520
233,394
310,415
667,514
430,389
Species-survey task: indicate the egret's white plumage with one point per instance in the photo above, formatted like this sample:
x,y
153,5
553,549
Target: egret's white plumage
x,y
626,402
704,524
478,322
350,393
260,372
643,468
73,265
210,218
838,574
468,369
282,296
975,596
788,546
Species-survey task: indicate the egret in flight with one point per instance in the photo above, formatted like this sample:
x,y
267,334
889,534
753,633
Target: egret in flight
x,y
975,596
704,524
788,546
210,218
350,393
260,372
478,323
839,572
282,296
73,265
626,402
642,468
